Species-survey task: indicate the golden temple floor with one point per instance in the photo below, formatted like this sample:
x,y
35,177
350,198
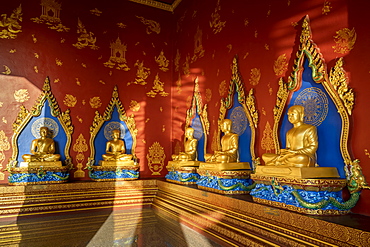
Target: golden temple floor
x,y
127,227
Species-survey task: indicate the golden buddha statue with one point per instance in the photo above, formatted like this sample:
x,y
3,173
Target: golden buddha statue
x,y
42,149
301,143
229,145
190,146
116,149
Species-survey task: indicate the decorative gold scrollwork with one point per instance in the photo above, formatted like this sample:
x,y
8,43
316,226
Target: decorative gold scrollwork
x,y
338,79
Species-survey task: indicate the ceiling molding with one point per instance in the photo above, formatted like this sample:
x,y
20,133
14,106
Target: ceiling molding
x,y
159,5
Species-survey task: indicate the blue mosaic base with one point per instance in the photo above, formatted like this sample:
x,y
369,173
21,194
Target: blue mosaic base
x,y
182,177
113,175
284,194
225,184
42,177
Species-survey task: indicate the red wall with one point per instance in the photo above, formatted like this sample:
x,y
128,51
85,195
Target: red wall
x,y
257,31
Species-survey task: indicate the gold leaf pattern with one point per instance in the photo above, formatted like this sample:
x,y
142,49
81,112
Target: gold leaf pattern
x,y
162,61
156,158
198,47
267,142
34,39
158,88
345,40
80,147
86,39
134,106
70,100
58,62
326,8
7,70
208,94
216,24
95,102
21,95
53,21
152,26
222,88
95,12
255,76
10,25
281,65
142,74
177,60
121,25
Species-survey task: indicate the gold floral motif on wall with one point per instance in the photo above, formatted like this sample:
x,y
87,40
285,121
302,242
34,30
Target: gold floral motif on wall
x,y
21,95
216,24
267,142
177,60
58,62
326,8
162,61
156,158
255,76
95,102
121,25
208,94
36,69
345,40
80,147
4,146
134,106
4,120
186,66
142,74
10,26
70,100
50,13
214,145
152,26
198,47
95,12
86,39
119,62
158,88
222,88
281,65
7,70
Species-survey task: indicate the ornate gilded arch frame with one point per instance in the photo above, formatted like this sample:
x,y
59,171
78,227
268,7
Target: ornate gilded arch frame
x,y
236,95
197,118
25,118
335,85
114,107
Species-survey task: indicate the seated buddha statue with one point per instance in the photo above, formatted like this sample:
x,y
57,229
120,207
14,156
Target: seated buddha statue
x,y
229,145
301,143
42,149
115,148
190,145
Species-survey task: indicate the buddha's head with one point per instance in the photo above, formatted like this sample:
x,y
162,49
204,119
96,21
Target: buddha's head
x,y
296,114
116,134
226,125
189,132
